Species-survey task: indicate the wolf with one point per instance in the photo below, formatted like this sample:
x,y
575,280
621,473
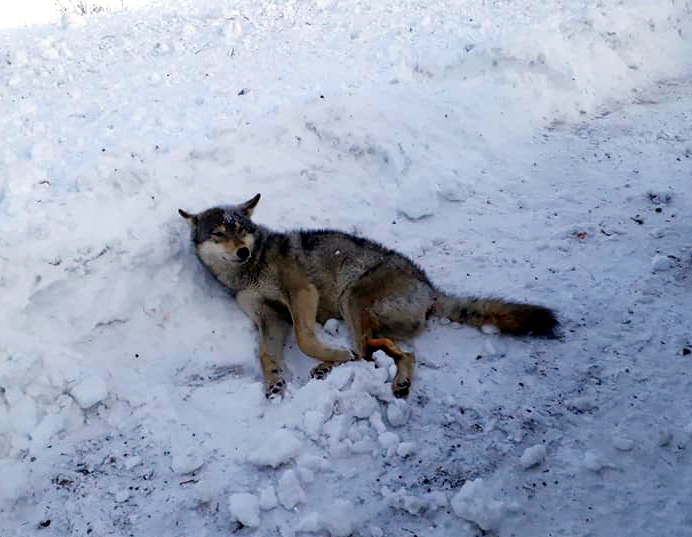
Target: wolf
x,y
301,277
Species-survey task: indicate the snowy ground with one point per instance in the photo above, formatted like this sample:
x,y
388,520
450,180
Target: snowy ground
x,y
542,153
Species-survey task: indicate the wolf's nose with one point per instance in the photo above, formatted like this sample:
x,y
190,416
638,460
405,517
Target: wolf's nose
x,y
243,253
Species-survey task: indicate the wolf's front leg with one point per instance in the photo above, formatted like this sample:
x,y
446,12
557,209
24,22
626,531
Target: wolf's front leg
x,y
273,330
272,335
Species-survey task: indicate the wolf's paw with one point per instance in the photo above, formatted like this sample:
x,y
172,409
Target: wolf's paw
x,y
320,371
400,388
275,389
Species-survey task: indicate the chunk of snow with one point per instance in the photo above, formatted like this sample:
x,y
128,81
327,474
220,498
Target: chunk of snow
x,y
306,475
131,462
363,405
314,462
584,403
532,456
186,462
331,326
622,443
474,503
279,448
89,390
339,522
405,449
339,377
593,461
665,437
376,531
388,439
377,423
407,502
15,479
122,496
267,499
660,263
436,499
289,490
398,412
245,508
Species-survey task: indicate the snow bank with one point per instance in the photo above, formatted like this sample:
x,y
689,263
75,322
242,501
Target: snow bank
x,y
511,149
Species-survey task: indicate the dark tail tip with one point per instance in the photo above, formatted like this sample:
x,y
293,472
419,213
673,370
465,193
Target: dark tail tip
x,y
538,321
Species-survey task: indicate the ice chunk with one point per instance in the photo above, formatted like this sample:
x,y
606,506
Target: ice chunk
x,y
281,447
475,503
660,263
533,456
89,390
267,499
122,496
398,412
388,440
245,508
622,443
405,449
339,523
131,462
289,490
364,405
331,327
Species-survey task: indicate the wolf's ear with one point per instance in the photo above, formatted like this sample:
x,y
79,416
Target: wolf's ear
x,y
249,205
191,218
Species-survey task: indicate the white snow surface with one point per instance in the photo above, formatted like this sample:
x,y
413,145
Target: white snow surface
x,y
535,151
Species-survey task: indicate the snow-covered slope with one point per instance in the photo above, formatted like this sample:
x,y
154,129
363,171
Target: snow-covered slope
x,y
538,152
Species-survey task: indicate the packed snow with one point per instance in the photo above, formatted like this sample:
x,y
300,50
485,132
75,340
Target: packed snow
x,y
535,151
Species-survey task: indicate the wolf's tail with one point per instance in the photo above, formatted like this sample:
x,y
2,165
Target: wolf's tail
x,y
508,317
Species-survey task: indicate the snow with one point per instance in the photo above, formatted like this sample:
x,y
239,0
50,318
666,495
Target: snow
x,y
281,447
289,490
187,461
267,498
474,502
532,456
534,151
89,391
245,508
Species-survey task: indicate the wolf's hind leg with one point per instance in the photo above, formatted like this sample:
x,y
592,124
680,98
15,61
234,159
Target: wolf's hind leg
x,y
304,312
357,309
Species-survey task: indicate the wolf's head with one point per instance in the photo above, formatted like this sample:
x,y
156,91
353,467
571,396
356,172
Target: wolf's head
x,y
224,234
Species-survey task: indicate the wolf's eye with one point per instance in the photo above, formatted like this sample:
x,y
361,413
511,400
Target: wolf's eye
x,y
217,234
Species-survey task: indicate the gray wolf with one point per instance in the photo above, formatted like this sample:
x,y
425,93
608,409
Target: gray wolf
x,y
300,277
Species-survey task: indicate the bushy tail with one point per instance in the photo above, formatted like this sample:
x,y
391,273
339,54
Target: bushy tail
x,y
508,317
